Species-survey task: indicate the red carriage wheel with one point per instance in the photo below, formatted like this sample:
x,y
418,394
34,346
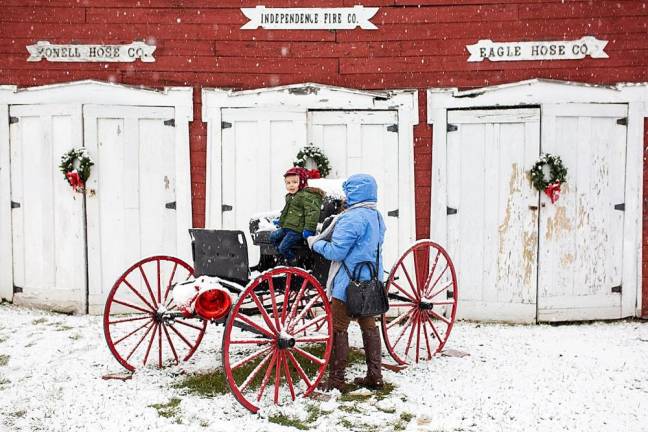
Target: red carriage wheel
x,y
277,339
138,327
422,290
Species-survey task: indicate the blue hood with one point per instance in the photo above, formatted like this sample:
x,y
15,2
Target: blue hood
x,y
359,188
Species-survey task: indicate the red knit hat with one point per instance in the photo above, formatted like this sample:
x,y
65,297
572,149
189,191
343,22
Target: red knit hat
x,y
302,173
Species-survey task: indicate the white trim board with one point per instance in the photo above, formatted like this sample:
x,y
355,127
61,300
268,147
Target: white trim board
x,y
302,98
540,92
96,93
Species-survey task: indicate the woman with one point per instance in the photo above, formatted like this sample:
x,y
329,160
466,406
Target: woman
x,y
353,237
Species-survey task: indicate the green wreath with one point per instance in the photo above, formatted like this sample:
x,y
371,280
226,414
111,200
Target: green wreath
x,y
76,161
315,154
558,172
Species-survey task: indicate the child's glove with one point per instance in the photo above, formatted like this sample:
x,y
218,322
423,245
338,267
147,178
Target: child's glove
x,y
311,241
307,233
275,221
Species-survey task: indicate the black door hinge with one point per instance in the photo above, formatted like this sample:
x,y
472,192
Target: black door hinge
x,y
619,207
617,289
13,120
170,205
226,125
622,121
393,213
17,289
451,211
226,207
15,204
452,128
170,122
392,128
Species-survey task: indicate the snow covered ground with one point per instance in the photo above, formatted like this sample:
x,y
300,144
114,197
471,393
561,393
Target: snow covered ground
x,y
590,377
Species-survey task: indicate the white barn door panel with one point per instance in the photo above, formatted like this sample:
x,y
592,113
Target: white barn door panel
x,y
47,216
131,193
258,146
364,142
492,211
581,243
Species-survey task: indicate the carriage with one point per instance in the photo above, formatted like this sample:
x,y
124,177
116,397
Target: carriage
x,y
278,331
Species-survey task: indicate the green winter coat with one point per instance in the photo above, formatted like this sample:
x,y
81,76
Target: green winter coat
x,y
302,210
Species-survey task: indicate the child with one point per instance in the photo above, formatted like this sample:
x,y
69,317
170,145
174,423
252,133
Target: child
x,y
299,216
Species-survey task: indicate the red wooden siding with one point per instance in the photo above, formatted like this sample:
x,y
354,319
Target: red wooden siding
x,y
418,44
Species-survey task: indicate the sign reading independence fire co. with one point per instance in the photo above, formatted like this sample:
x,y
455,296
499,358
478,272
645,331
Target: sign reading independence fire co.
x,y
545,50
309,18
90,53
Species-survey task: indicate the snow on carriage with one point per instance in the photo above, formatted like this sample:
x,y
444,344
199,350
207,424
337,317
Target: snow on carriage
x,y
278,331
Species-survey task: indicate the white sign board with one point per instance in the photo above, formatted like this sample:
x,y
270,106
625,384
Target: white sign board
x,y
90,53
309,18
541,50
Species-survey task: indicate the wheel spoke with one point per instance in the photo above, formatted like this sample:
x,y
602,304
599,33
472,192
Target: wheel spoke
x,y
431,287
309,356
249,358
255,372
299,369
251,341
436,333
264,314
140,341
418,337
407,324
134,331
440,291
288,378
148,285
168,288
186,324
147,316
409,340
402,290
308,306
312,339
148,349
399,319
160,345
184,339
132,306
152,309
310,323
266,377
427,340
438,316
293,307
254,325
401,305
284,308
409,279
429,278
273,299
175,354
277,376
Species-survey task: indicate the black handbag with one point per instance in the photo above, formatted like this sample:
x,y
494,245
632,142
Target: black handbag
x,y
366,298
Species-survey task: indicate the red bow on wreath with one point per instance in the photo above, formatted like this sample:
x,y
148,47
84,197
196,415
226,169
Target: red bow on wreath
x,y
75,180
313,174
553,192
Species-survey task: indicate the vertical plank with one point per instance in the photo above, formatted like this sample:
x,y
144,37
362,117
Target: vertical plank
x,y
6,254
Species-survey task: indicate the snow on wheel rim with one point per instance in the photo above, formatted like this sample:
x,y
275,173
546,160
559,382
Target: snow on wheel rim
x,y
274,348
422,290
137,328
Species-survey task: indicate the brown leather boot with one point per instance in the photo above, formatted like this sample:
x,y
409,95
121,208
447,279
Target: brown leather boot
x,y
371,342
338,363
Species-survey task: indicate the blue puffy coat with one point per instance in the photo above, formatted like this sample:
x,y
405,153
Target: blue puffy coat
x,y
356,235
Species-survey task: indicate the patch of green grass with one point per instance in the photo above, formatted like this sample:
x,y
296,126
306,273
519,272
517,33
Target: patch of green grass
x,y
62,327
75,336
385,391
346,423
207,384
39,321
350,409
378,394
3,339
313,413
284,420
18,414
4,359
403,421
169,409
4,381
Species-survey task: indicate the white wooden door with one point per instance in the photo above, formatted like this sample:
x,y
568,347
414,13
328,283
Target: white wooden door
x,y
492,211
131,192
47,216
258,146
364,142
581,235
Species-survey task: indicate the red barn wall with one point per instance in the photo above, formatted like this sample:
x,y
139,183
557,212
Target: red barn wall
x,y
418,44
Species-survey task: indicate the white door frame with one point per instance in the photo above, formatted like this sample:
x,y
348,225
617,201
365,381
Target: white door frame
x,y
541,92
311,96
96,93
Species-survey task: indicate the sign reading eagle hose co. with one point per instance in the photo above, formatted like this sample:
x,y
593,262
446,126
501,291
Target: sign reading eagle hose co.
x,y
543,50
309,18
90,53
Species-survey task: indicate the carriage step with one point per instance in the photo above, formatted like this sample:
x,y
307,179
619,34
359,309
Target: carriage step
x,y
117,376
394,367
